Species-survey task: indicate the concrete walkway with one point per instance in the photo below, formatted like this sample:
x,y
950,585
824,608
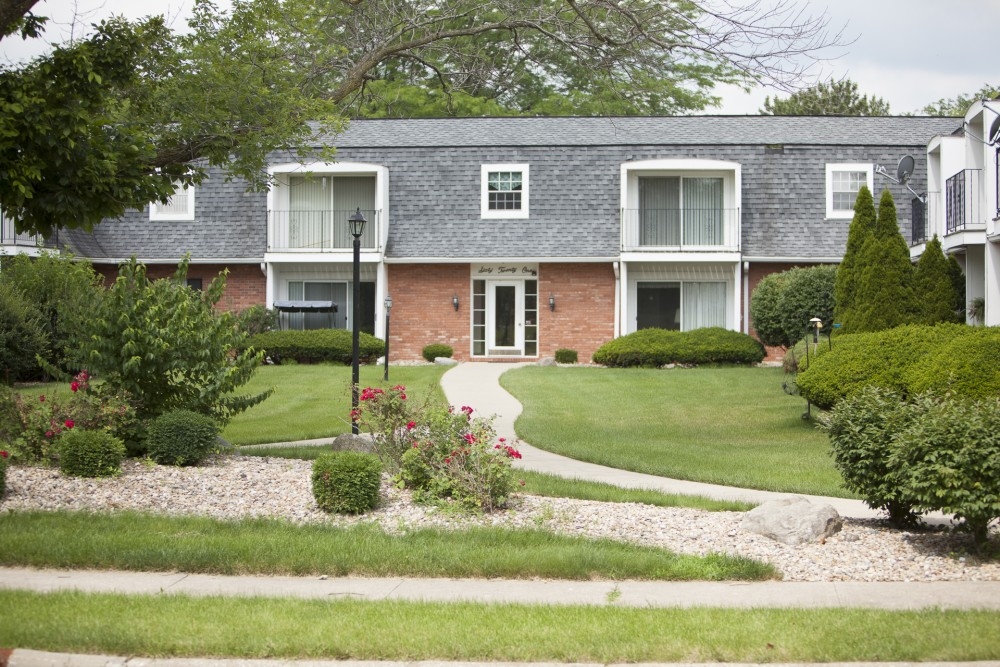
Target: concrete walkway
x,y
477,384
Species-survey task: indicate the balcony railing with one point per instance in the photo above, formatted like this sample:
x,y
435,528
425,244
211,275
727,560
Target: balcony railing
x,y
9,237
668,230
963,201
918,221
319,231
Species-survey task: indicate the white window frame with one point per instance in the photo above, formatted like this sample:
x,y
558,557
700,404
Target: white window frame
x,y
867,167
507,214
187,214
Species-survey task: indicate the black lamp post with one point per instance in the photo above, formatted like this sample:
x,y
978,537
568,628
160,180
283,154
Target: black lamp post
x,y
356,225
388,307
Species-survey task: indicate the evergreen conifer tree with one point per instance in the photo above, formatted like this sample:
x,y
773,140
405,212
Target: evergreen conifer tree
x,y
862,227
934,293
958,283
883,293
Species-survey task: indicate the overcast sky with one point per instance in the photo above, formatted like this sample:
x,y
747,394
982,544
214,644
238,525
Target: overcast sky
x,y
909,52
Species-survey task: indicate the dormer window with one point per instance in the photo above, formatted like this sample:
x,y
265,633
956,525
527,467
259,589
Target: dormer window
x,y
504,191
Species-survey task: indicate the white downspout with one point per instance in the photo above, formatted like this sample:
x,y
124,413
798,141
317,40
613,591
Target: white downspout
x,y
745,315
618,299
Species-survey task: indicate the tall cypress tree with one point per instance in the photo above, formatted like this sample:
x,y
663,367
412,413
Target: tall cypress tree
x,y
883,297
933,291
862,227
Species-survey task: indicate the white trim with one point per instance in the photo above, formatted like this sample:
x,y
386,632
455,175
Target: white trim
x,y
836,167
494,260
155,215
484,195
793,260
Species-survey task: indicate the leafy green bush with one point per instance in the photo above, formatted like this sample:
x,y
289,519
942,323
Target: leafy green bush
x,y
862,430
908,359
949,456
4,455
257,319
346,482
182,438
314,346
784,303
22,336
167,346
657,347
564,356
435,350
90,453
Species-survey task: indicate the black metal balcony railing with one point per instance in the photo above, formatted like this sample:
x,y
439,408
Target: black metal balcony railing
x,y
963,201
683,229
317,231
918,222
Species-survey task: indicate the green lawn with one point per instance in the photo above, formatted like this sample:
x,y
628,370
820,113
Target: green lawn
x,y
314,401
338,629
732,426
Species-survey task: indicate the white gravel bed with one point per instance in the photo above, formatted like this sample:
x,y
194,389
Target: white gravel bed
x,y
249,486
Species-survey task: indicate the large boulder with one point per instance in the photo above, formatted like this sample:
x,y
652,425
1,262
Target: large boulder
x,y
353,443
793,520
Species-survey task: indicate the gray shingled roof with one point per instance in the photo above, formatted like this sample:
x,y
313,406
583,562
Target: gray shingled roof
x,y
655,131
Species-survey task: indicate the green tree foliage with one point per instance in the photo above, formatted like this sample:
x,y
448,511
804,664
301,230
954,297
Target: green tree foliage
x,y
957,277
861,229
958,105
836,98
164,344
22,336
790,300
65,291
884,295
120,118
933,290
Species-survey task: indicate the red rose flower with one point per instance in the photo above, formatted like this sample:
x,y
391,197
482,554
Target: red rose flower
x,y
74,386
411,425
69,423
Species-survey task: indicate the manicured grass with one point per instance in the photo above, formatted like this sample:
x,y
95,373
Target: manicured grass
x,y
731,426
131,541
314,401
552,486
183,626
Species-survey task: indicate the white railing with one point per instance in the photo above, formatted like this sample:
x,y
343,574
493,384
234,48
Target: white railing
x,y
666,230
319,231
9,237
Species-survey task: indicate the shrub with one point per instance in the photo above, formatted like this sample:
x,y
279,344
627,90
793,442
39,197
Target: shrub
x,y
257,319
435,350
783,303
166,345
90,453
314,346
182,438
22,336
346,482
564,356
949,456
862,430
657,347
909,360
4,455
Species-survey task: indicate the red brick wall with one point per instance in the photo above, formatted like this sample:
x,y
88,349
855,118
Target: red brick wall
x,y
422,312
245,284
584,318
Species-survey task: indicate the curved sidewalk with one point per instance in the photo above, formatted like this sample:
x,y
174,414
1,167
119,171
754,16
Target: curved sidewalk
x,y
477,384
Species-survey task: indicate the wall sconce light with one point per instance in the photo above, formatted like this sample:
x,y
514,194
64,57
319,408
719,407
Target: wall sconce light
x,y
454,302
552,303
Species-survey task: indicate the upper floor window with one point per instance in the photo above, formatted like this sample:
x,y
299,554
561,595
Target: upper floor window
x,y
504,191
843,181
180,206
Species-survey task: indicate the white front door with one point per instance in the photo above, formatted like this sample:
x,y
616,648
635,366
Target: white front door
x,y
505,318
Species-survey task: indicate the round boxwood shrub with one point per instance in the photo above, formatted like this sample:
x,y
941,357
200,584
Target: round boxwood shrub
x,y
90,453
652,348
564,356
346,482
182,438
315,346
435,350
908,360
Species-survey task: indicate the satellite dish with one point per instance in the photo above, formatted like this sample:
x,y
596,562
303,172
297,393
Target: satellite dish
x,y
994,134
904,169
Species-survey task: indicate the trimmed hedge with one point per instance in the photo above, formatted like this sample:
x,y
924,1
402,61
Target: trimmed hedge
x,y
316,345
182,438
346,482
90,453
652,348
435,350
908,360
566,356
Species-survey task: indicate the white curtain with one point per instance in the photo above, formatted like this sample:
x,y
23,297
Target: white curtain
x,y
308,204
703,211
659,211
704,305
